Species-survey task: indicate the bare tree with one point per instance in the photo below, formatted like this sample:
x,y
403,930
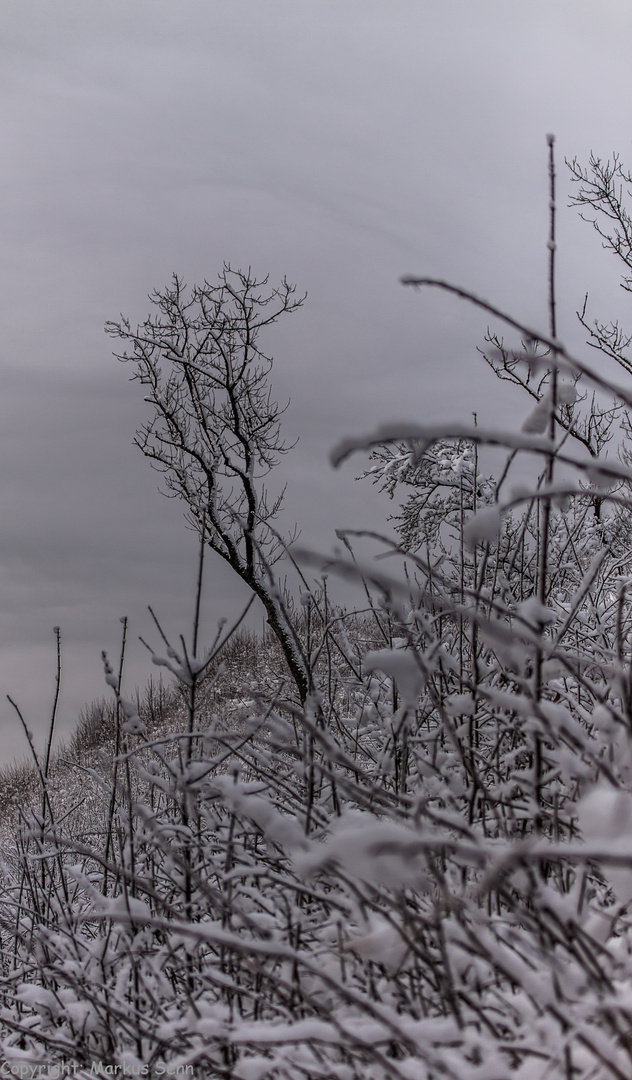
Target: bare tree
x,y
215,432
603,189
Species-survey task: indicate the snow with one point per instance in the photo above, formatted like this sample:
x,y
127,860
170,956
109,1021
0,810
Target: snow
x,y
364,847
537,420
380,941
484,526
402,667
421,869
604,816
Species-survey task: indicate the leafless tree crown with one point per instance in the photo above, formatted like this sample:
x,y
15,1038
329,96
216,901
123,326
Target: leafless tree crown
x,y
215,431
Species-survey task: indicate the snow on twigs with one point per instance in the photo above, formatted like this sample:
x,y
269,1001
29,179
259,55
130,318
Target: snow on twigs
x,y
402,667
426,435
537,421
391,843
484,526
422,872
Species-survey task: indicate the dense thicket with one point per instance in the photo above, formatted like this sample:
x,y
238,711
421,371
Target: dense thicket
x,y
422,872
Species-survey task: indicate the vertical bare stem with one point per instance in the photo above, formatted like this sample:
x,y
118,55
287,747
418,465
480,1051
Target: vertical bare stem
x,y
53,717
550,468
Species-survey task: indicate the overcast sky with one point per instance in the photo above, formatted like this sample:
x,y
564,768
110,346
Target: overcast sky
x,y
343,144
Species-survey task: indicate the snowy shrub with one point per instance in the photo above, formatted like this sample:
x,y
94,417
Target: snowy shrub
x,y
421,871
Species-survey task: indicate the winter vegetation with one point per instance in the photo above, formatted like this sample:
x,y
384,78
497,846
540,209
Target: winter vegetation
x,y
383,844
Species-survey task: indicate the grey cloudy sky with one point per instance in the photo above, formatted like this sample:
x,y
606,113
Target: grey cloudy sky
x,y
343,143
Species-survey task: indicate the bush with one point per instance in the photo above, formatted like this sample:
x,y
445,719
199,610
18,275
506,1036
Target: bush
x,y
422,872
